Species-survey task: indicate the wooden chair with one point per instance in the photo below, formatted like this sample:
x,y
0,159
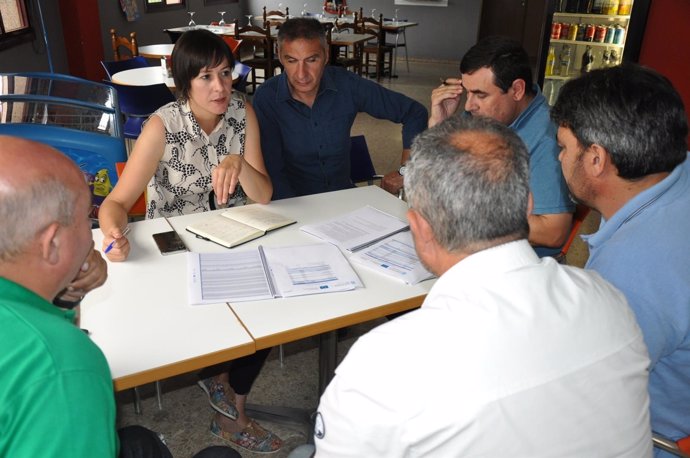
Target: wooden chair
x,y
284,15
260,37
341,55
377,47
130,44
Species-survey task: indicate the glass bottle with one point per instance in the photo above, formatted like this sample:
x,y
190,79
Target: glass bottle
x,y
565,60
605,60
587,60
551,62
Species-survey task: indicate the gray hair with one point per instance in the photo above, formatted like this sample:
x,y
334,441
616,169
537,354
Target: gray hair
x,y
469,178
302,29
25,211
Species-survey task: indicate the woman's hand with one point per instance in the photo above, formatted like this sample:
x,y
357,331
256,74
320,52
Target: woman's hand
x,y
120,245
225,177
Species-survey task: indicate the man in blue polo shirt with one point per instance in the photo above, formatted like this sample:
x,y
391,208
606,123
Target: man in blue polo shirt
x,y
306,113
623,135
496,78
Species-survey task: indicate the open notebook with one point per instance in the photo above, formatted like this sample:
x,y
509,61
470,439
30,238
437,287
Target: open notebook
x,y
238,225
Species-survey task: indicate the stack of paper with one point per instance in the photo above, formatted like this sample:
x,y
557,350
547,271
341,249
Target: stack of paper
x,y
358,229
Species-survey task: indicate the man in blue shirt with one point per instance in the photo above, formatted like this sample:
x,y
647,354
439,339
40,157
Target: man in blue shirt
x,y
496,78
306,113
623,135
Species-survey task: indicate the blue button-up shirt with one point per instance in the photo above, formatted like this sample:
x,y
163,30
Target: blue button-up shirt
x,y
307,150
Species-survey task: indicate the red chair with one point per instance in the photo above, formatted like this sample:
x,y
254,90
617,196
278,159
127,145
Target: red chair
x,y
139,207
581,212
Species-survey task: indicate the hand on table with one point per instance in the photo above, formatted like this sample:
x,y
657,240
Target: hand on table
x,y
120,245
92,274
225,177
445,100
392,182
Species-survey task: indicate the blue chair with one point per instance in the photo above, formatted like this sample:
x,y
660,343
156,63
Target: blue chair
x,y
138,102
113,66
243,71
361,167
78,117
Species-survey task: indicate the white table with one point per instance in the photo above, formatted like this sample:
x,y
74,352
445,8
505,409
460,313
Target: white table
x,y
283,320
156,51
144,76
143,324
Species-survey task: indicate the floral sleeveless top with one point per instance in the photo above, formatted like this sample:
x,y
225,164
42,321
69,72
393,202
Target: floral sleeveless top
x,y
182,181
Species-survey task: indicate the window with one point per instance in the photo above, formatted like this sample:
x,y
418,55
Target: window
x,y
158,5
14,21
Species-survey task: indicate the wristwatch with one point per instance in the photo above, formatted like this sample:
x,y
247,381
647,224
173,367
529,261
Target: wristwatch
x,y
402,169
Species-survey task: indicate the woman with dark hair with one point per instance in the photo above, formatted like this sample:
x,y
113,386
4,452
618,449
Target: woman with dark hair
x,y
192,154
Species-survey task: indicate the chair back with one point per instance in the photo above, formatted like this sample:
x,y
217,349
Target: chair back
x,y
113,66
234,45
374,27
679,448
243,71
348,27
173,35
118,42
139,207
275,13
361,167
78,117
138,102
581,212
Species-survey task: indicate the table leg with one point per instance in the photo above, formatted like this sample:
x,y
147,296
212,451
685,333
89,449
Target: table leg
x,y
328,355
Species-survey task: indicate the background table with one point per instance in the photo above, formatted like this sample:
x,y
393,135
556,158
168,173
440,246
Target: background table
x,y
156,51
144,76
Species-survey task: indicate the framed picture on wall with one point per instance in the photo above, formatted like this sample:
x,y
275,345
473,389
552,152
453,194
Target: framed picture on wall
x,y
421,2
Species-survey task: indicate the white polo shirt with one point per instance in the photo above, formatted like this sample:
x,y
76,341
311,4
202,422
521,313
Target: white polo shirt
x,y
509,355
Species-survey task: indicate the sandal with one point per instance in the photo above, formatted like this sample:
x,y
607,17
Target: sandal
x,y
220,396
253,437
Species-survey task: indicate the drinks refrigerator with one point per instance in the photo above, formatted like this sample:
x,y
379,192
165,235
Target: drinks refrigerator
x,y
582,35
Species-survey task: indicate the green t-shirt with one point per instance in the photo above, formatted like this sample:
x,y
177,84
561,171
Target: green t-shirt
x,y
56,393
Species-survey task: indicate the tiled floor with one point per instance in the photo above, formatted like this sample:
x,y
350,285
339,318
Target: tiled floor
x,y
185,417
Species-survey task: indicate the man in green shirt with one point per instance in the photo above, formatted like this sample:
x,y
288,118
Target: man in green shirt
x,y
56,394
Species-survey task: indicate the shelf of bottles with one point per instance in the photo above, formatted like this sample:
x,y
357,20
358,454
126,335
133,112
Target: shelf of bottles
x,y
585,35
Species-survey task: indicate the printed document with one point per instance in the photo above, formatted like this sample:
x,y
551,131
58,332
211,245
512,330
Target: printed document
x,y
358,229
268,272
396,257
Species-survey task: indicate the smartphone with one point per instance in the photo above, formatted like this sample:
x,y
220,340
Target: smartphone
x,y
169,243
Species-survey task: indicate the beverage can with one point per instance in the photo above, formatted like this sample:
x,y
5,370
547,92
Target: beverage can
x,y
600,33
610,32
581,32
565,28
619,35
589,32
572,32
555,30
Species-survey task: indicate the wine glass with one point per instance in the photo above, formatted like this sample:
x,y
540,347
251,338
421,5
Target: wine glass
x,y
280,7
373,10
249,20
304,10
395,17
191,19
222,18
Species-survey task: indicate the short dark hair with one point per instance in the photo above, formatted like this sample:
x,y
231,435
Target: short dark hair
x,y
194,50
301,28
631,111
506,58
469,177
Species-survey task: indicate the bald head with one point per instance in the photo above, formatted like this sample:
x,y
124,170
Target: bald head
x,y
38,185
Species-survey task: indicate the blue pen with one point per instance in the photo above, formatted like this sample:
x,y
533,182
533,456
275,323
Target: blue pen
x,y
112,244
